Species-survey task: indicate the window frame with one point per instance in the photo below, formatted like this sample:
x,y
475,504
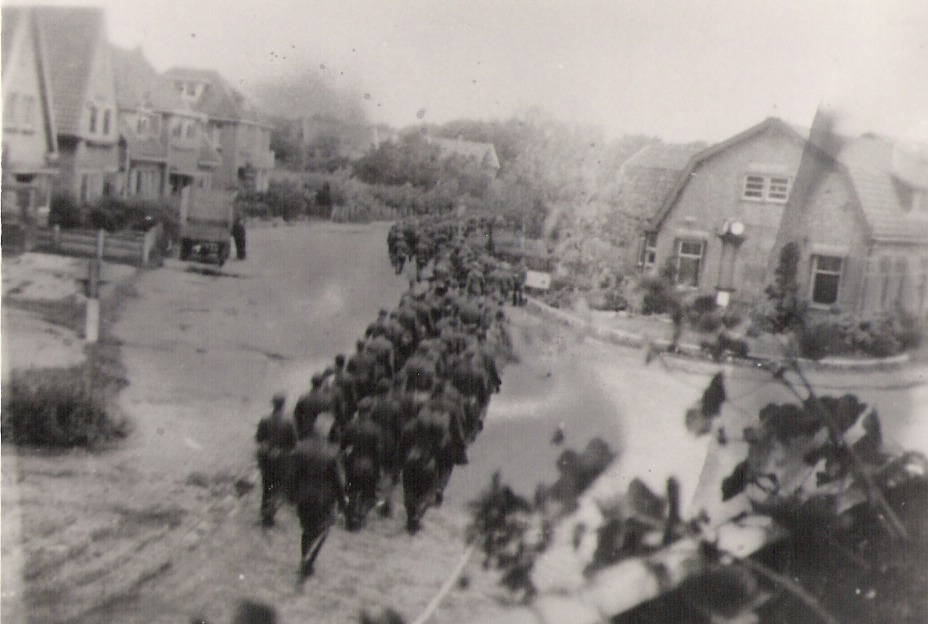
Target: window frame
x,y
92,123
766,188
816,271
680,257
647,252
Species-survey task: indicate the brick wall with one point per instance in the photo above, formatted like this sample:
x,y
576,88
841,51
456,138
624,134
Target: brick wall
x,y
713,194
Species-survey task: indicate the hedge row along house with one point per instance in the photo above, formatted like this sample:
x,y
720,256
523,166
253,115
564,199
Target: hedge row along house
x,y
88,120
860,223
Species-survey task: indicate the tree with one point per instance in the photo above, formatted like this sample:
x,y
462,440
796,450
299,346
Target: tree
x,y
788,311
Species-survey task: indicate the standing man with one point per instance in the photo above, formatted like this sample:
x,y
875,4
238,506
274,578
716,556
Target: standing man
x,y
238,235
276,437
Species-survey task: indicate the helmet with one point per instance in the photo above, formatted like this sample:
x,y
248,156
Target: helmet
x,y
278,399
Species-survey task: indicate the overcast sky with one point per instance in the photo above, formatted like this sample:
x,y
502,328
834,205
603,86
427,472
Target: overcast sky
x,y
678,69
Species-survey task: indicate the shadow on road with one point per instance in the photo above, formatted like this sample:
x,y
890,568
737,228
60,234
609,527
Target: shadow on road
x,y
211,271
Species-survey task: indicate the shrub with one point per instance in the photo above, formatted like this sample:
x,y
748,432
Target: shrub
x,y
659,296
65,211
54,408
880,336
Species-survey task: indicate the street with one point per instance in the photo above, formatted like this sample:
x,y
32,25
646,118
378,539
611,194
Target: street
x,y
204,350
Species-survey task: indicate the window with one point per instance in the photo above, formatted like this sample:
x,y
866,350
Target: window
x,y
177,129
688,261
85,187
778,189
93,120
142,124
154,122
191,131
647,253
826,278
754,187
766,188
106,121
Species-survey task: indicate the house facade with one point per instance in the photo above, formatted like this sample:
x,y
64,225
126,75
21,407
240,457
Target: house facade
x,y
30,146
164,142
240,134
83,96
859,221
717,227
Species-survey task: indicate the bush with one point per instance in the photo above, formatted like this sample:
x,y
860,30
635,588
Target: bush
x,y
53,408
880,336
659,296
65,211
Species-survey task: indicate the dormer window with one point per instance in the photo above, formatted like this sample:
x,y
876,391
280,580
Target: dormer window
x,y
93,120
107,114
142,125
766,188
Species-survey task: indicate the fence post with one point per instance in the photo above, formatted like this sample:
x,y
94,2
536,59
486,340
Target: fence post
x,y
92,319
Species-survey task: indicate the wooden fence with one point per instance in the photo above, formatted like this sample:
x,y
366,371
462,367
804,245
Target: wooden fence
x,y
135,248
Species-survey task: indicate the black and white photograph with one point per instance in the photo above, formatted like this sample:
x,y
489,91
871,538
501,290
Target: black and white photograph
x,y
464,312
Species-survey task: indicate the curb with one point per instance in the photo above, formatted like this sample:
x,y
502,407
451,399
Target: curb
x,y
631,339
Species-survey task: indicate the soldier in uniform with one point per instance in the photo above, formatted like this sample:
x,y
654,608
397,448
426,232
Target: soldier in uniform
x,y
276,437
317,487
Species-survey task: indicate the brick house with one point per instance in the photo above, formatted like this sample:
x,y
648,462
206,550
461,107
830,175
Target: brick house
x,y
164,142
238,131
645,182
83,96
30,145
715,229
860,220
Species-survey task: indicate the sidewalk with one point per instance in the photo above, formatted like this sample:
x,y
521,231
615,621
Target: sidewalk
x,y
639,331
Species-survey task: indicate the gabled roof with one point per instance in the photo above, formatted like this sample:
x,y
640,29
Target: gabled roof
x,y
868,163
673,157
220,100
649,176
70,58
712,150
483,153
138,85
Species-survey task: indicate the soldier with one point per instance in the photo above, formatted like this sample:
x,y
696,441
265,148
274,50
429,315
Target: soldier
x,y
308,407
317,487
276,437
238,235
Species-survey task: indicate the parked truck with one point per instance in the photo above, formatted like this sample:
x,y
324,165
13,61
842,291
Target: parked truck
x,y
206,224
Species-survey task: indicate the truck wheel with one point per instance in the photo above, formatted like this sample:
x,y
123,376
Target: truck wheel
x,y
223,253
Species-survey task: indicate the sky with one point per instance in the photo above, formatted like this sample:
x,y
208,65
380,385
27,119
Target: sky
x,y
677,69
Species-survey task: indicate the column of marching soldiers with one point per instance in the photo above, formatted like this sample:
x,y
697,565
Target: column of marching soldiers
x,y
406,404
